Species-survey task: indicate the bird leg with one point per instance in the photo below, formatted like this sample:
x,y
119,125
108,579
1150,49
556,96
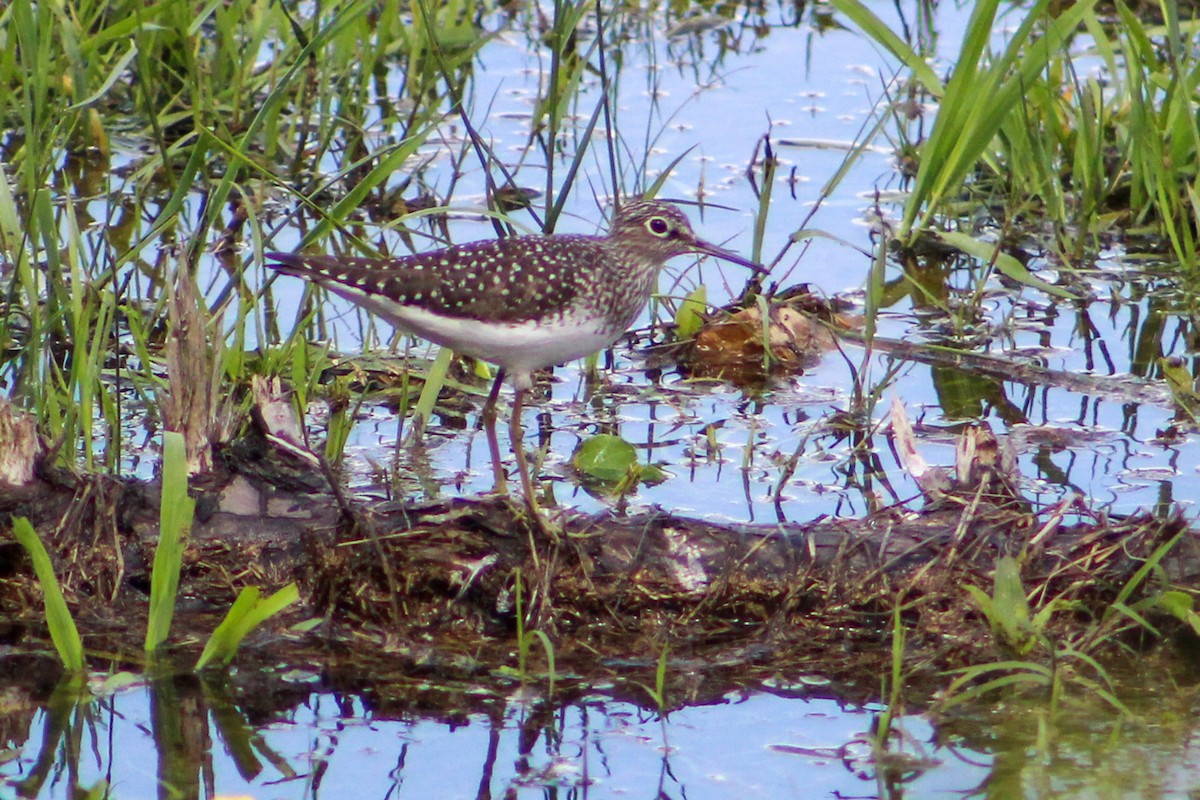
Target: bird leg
x,y
488,418
516,435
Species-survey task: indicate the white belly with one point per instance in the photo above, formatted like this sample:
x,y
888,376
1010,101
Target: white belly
x,y
520,348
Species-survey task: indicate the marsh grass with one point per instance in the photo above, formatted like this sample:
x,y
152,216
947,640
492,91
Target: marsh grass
x,y
658,692
248,611
59,621
176,514
527,636
211,110
1039,661
1082,152
262,129
234,109
175,524
893,688
1087,147
340,421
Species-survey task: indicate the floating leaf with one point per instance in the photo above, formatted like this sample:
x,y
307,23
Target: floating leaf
x,y
1182,385
606,458
652,475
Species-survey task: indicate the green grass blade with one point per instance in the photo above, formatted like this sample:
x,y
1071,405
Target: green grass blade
x,y
548,647
656,186
1138,577
1009,266
246,614
12,235
874,27
63,632
114,74
965,128
175,522
434,381
690,316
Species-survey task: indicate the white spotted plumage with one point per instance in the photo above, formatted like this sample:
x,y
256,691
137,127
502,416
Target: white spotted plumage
x,y
524,302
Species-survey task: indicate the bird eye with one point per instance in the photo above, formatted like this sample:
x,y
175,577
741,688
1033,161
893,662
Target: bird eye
x,y
658,226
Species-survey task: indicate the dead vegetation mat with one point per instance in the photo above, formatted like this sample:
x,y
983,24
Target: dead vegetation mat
x,y
396,592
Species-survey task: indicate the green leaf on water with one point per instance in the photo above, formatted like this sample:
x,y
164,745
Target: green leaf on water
x,y
652,474
690,317
606,458
1182,385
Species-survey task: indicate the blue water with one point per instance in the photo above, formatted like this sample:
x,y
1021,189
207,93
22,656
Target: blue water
x,y
727,452
752,745
804,90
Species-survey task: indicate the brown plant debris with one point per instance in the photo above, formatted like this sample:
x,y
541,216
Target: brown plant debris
x,y
739,346
192,402
433,589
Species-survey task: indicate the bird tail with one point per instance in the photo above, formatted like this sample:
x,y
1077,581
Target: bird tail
x,y
299,264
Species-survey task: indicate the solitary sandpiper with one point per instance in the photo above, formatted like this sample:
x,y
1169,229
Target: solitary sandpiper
x,y
523,302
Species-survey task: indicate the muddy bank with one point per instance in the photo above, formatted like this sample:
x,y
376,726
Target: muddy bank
x,y
391,592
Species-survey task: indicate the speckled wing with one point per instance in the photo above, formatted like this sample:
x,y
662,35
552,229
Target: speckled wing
x,y
507,280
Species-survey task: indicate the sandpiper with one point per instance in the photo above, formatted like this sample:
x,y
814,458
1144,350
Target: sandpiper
x,y
523,303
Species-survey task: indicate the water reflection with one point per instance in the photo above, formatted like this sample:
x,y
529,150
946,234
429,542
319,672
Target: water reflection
x,y
189,737
288,734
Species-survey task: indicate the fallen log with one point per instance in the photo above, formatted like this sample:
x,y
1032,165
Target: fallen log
x,y
447,585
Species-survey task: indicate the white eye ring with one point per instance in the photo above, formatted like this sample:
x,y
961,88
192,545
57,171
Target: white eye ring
x,y
658,226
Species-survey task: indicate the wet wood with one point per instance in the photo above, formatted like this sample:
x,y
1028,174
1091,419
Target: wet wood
x,y
1125,388
437,581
